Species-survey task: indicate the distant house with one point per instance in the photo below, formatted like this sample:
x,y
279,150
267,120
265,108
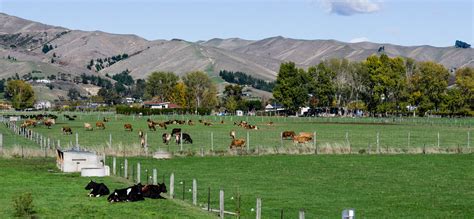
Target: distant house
x,y
43,104
160,105
274,107
44,81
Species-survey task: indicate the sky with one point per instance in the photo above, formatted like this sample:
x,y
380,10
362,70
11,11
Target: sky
x,y
402,22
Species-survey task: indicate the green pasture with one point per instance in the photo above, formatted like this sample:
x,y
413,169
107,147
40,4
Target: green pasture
x,y
376,186
358,133
60,195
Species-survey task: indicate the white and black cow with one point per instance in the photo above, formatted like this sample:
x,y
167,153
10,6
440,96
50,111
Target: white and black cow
x,y
130,194
97,189
186,138
154,191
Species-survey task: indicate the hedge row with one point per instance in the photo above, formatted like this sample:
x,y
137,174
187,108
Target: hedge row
x,y
148,111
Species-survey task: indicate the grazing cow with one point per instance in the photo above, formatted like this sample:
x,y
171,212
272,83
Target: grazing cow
x,y
151,124
88,126
154,191
306,135
128,126
186,138
251,127
222,121
232,134
200,121
140,134
100,124
162,125
130,194
97,189
175,131
49,122
166,138
301,139
66,130
28,122
106,119
190,122
287,134
71,119
207,124
237,143
270,123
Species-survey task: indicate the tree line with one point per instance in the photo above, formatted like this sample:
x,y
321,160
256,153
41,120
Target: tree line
x,y
242,78
380,85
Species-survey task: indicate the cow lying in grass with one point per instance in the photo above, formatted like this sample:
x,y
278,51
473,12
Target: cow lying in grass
x,y
130,194
97,189
154,191
237,143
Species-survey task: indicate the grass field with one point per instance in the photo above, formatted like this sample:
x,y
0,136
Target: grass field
x,y
360,133
390,186
58,195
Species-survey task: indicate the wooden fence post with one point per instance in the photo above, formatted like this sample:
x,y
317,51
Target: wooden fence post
x,y
172,185
259,209
378,142
301,215
221,204
281,139
194,192
248,141
155,175
138,173
110,140
77,139
212,140
114,166
438,139
125,169
1,143
49,143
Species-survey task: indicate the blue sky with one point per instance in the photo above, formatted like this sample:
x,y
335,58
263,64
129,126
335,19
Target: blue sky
x,y
404,22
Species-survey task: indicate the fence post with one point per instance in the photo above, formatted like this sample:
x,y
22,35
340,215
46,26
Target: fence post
x,y
49,143
281,139
221,204
181,141
138,173
114,166
469,140
146,140
301,215
41,141
378,142
438,139
155,174
110,140
259,209
172,186
77,139
194,192
59,144
209,194
125,169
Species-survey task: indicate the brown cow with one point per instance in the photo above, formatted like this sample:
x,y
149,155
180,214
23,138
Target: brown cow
x,y
306,134
100,124
66,130
301,139
49,122
287,134
207,124
162,125
128,126
237,143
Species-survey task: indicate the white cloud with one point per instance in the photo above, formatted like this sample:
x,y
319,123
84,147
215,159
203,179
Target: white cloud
x,y
350,7
359,39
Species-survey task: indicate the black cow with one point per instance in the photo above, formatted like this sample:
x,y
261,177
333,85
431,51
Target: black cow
x,y
186,138
175,131
97,189
154,191
130,194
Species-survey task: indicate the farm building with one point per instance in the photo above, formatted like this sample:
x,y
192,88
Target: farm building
x,y
81,161
160,105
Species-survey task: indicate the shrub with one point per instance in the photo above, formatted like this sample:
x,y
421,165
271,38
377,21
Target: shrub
x,y
23,205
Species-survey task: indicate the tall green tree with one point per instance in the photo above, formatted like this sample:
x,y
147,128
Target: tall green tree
x,y
200,90
465,82
322,86
428,86
291,87
20,93
161,85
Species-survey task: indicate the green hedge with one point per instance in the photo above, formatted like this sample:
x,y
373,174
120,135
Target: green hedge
x,y
148,111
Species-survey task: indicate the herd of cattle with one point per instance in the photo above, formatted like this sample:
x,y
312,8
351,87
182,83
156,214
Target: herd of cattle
x,y
176,133
137,192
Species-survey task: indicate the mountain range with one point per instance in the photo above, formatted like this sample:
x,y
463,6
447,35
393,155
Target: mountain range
x,y
75,52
